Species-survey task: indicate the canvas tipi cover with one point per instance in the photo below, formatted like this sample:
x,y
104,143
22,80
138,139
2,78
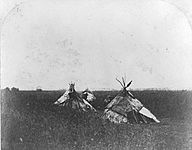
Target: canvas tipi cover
x,y
73,100
88,95
126,108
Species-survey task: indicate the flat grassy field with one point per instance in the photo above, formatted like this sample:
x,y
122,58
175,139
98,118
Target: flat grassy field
x,y
29,121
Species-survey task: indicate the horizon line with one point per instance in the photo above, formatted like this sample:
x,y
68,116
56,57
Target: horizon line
x,y
101,89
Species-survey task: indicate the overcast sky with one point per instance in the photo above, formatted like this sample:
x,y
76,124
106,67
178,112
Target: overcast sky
x,y
50,43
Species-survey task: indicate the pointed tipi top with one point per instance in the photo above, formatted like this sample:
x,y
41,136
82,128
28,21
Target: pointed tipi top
x,y
124,87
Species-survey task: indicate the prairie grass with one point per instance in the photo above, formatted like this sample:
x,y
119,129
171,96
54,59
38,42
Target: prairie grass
x,y
30,121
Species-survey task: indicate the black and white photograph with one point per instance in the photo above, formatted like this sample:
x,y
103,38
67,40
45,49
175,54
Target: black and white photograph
x,y
96,74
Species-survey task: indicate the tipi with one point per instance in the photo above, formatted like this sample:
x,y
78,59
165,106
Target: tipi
x,y
73,100
88,95
126,108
